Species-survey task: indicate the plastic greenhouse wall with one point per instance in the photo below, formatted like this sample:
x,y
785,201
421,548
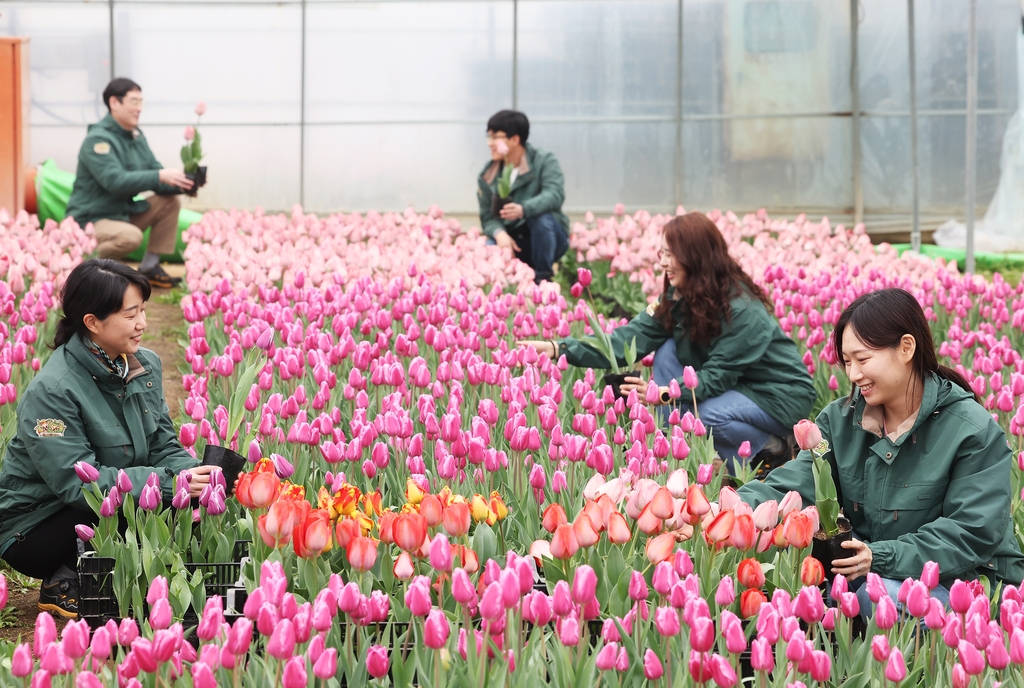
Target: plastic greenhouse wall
x,y
380,105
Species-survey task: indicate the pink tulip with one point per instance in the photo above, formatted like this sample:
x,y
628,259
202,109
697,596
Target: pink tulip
x,y
201,108
282,641
762,657
722,672
86,472
690,378
895,668
971,659
702,634
376,661
190,133
21,661
606,656
960,597
807,433
326,665
653,670
726,593
436,630
294,675
584,585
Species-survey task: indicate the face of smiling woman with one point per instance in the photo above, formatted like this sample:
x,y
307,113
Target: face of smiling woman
x,y
675,272
121,331
883,375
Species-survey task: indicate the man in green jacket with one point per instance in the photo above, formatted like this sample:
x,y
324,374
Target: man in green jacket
x,y
115,164
529,218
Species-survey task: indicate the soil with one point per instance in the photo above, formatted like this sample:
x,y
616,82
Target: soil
x,y
165,327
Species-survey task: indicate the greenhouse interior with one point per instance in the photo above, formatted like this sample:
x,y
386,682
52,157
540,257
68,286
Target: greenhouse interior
x,y
511,343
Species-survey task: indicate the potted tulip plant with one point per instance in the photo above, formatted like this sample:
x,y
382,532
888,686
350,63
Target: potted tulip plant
x,y
504,181
833,530
602,341
192,153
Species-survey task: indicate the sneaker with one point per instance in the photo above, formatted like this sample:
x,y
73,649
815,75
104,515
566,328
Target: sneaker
x,y
159,278
60,597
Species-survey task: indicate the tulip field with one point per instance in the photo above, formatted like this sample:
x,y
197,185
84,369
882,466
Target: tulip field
x,y
427,504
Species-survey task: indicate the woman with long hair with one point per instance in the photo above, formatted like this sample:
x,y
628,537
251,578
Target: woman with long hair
x,y
922,470
712,316
96,408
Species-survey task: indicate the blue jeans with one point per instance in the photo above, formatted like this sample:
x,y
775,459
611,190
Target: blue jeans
x,y
732,417
542,243
892,587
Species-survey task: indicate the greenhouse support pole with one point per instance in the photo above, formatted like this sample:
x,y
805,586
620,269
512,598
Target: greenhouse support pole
x,y
972,128
679,107
110,19
858,189
915,233
302,112
515,54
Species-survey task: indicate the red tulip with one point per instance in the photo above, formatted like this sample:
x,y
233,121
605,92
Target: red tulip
x,y
410,530
720,529
750,574
563,542
312,537
796,529
456,519
696,503
361,553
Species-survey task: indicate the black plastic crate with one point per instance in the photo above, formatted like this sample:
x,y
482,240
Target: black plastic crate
x,y
97,602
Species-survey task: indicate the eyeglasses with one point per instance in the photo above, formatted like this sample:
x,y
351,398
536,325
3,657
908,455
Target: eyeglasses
x,y
132,102
496,137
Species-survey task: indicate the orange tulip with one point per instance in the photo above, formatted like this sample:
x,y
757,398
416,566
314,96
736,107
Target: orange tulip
x,y
750,574
498,506
456,519
660,548
446,496
466,558
362,553
278,524
403,568
812,573
744,534
430,509
750,603
312,537
385,526
410,530
258,490
662,504
371,503
720,529
346,530
292,491
648,523
341,503
696,503
607,509
553,517
563,542
618,530
583,527
797,528
779,538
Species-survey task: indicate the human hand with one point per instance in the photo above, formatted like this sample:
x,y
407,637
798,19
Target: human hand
x,y
512,211
543,347
505,240
858,564
200,479
631,383
175,178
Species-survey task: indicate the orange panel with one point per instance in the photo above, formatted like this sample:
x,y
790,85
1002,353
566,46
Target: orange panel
x,y
14,121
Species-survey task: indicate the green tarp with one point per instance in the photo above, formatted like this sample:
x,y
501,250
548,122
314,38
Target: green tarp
x,y
994,262
53,189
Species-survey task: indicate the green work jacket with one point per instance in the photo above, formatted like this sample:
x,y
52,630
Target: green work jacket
x,y
941,492
74,410
114,165
540,189
751,355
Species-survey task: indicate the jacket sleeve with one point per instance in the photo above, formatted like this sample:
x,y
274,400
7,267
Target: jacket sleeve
x,y
54,457
552,190
110,173
153,164
975,514
649,333
488,223
165,450
797,475
742,343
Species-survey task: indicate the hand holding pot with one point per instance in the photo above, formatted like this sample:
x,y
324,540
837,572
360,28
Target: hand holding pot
x,y
857,564
544,347
200,479
505,240
511,211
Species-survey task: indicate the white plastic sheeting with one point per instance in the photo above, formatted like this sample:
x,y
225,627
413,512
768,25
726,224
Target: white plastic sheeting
x,y
355,105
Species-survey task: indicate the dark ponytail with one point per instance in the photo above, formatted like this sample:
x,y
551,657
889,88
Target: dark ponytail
x,y
881,318
97,287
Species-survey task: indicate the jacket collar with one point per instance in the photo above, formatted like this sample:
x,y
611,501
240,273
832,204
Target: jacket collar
x,y
92,365
111,125
491,169
885,448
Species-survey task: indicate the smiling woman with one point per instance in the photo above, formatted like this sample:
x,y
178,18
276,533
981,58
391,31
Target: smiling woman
x,y
95,413
921,469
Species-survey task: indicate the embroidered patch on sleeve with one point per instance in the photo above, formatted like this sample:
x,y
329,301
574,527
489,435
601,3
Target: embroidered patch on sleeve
x,y
102,148
653,307
50,427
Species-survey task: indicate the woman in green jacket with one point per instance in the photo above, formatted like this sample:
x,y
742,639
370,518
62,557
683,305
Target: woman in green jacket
x,y
99,403
752,385
921,468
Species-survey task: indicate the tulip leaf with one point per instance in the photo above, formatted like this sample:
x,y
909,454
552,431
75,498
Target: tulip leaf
x,y
180,595
485,543
825,495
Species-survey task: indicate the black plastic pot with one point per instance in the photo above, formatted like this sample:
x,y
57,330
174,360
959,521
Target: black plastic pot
x,y
826,550
228,461
198,179
497,203
616,380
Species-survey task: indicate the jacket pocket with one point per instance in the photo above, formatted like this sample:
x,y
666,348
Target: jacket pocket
x,y
908,507
110,443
